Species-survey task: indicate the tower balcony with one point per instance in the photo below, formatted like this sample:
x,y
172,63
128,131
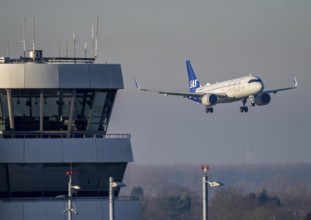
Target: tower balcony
x,y
36,167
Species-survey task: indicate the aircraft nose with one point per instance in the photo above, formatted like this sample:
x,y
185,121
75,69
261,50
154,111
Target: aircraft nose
x,y
260,86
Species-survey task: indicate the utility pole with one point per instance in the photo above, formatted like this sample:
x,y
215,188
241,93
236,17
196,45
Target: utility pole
x,y
113,186
70,209
111,199
205,192
206,184
69,173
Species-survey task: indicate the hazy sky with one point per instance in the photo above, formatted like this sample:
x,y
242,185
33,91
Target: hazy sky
x,y
223,39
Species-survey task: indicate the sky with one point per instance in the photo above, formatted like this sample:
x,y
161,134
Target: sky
x,y
223,39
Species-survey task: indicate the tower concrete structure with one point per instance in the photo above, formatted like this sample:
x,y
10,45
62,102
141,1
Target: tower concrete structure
x,y
54,116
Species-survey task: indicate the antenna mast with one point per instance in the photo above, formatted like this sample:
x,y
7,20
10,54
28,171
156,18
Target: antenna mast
x,y
96,42
58,50
74,46
66,49
34,34
24,37
8,49
85,50
93,43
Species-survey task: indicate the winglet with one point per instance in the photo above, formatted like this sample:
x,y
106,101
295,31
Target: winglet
x,y
136,83
295,81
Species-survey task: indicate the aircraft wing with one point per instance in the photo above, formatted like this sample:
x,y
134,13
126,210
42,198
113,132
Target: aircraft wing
x,y
274,91
166,93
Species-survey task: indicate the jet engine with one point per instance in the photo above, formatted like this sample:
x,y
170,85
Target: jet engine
x,y
262,99
209,99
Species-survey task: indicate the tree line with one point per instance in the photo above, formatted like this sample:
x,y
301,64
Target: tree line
x,y
174,192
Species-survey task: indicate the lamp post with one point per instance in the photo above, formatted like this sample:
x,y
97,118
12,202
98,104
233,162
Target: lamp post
x,y
207,183
70,209
113,186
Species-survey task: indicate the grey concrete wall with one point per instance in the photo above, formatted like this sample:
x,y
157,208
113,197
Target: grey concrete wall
x,y
66,150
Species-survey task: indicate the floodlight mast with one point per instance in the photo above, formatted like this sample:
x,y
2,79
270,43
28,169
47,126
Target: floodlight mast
x,y
207,183
70,209
113,186
205,168
111,199
69,173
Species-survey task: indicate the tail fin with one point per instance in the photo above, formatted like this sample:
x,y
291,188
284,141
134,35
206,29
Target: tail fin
x,y
193,81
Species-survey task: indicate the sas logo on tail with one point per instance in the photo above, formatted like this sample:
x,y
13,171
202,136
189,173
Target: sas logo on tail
x,y
193,83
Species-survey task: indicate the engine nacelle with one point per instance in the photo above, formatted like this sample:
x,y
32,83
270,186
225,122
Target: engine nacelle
x,y
209,99
262,99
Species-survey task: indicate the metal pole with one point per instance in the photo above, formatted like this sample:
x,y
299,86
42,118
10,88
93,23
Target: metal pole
x,y
74,46
41,110
69,198
24,37
85,50
205,191
111,199
33,37
10,108
8,49
71,113
96,42
93,41
205,198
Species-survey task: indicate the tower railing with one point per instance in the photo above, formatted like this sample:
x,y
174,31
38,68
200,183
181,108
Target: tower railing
x,y
65,135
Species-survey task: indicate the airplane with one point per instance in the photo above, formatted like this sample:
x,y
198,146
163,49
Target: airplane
x,y
211,94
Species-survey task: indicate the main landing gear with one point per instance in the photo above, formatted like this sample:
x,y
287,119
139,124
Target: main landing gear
x,y
209,110
244,108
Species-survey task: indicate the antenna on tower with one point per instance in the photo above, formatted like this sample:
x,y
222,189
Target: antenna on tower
x,y
33,34
85,50
93,41
8,49
24,37
96,42
66,49
58,50
74,46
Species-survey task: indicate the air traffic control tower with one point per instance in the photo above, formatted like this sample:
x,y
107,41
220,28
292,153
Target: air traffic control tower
x,y
54,115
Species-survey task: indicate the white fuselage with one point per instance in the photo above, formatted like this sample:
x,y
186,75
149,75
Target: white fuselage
x,y
235,89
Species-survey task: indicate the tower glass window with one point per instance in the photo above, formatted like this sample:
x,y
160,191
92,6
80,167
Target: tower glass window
x,y
63,110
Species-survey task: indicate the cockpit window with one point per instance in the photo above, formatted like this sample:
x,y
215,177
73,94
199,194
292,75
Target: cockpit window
x,y
254,80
